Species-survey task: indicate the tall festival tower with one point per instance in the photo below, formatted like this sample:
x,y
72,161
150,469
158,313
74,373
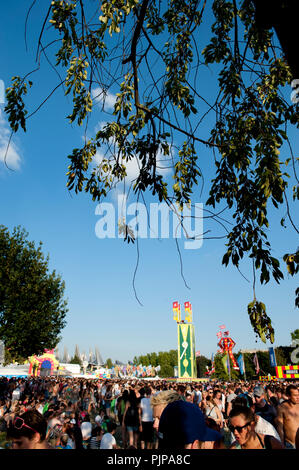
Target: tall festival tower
x,y
186,342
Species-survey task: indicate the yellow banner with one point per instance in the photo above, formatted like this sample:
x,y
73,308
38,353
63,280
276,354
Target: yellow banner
x,y
287,372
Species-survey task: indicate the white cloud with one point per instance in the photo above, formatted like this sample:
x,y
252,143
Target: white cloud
x,y
12,158
100,126
103,98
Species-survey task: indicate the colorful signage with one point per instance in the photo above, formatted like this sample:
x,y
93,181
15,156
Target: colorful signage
x,y
268,378
272,357
287,372
186,351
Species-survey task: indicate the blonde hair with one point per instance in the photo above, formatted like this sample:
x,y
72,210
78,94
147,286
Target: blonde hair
x,y
165,397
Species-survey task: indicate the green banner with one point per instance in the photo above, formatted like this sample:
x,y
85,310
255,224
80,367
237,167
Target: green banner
x,y
186,351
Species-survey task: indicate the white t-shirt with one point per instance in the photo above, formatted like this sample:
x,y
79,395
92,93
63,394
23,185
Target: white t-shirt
x,y
86,428
16,394
198,396
230,397
146,410
264,427
108,441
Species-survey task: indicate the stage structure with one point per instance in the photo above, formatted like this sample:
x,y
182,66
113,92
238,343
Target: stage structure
x,y
44,365
186,342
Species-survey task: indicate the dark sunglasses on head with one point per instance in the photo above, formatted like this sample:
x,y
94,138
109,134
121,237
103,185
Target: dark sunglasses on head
x,y
19,423
237,428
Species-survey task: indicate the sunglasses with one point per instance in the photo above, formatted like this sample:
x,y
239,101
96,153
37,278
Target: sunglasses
x,y
237,428
19,423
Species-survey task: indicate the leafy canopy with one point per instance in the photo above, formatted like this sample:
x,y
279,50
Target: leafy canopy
x,y
147,52
32,309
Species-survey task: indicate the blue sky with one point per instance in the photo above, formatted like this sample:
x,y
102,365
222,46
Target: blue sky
x,y
98,274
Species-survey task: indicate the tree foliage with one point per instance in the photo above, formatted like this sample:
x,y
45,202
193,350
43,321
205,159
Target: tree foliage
x,y
167,360
32,308
76,360
109,363
160,111
283,358
295,335
201,365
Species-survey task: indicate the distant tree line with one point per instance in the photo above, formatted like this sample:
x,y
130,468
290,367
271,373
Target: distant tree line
x,y
169,359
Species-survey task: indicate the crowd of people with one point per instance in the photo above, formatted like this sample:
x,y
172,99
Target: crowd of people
x,y
78,413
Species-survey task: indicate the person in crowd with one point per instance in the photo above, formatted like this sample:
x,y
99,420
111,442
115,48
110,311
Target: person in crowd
x,y
212,409
28,431
231,395
262,408
197,395
271,396
86,429
107,399
131,418
207,396
96,436
287,421
242,425
160,400
189,396
279,394
261,425
63,442
108,440
54,399
145,410
182,426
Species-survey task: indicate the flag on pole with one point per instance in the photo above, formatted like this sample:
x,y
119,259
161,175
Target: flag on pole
x,y
228,364
224,362
272,357
176,311
219,335
240,361
256,363
188,310
222,327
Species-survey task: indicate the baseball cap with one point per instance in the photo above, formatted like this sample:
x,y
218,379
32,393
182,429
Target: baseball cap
x,y
183,423
258,391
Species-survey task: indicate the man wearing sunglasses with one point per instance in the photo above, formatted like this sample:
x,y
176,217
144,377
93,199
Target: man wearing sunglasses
x,y
28,431
262,407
